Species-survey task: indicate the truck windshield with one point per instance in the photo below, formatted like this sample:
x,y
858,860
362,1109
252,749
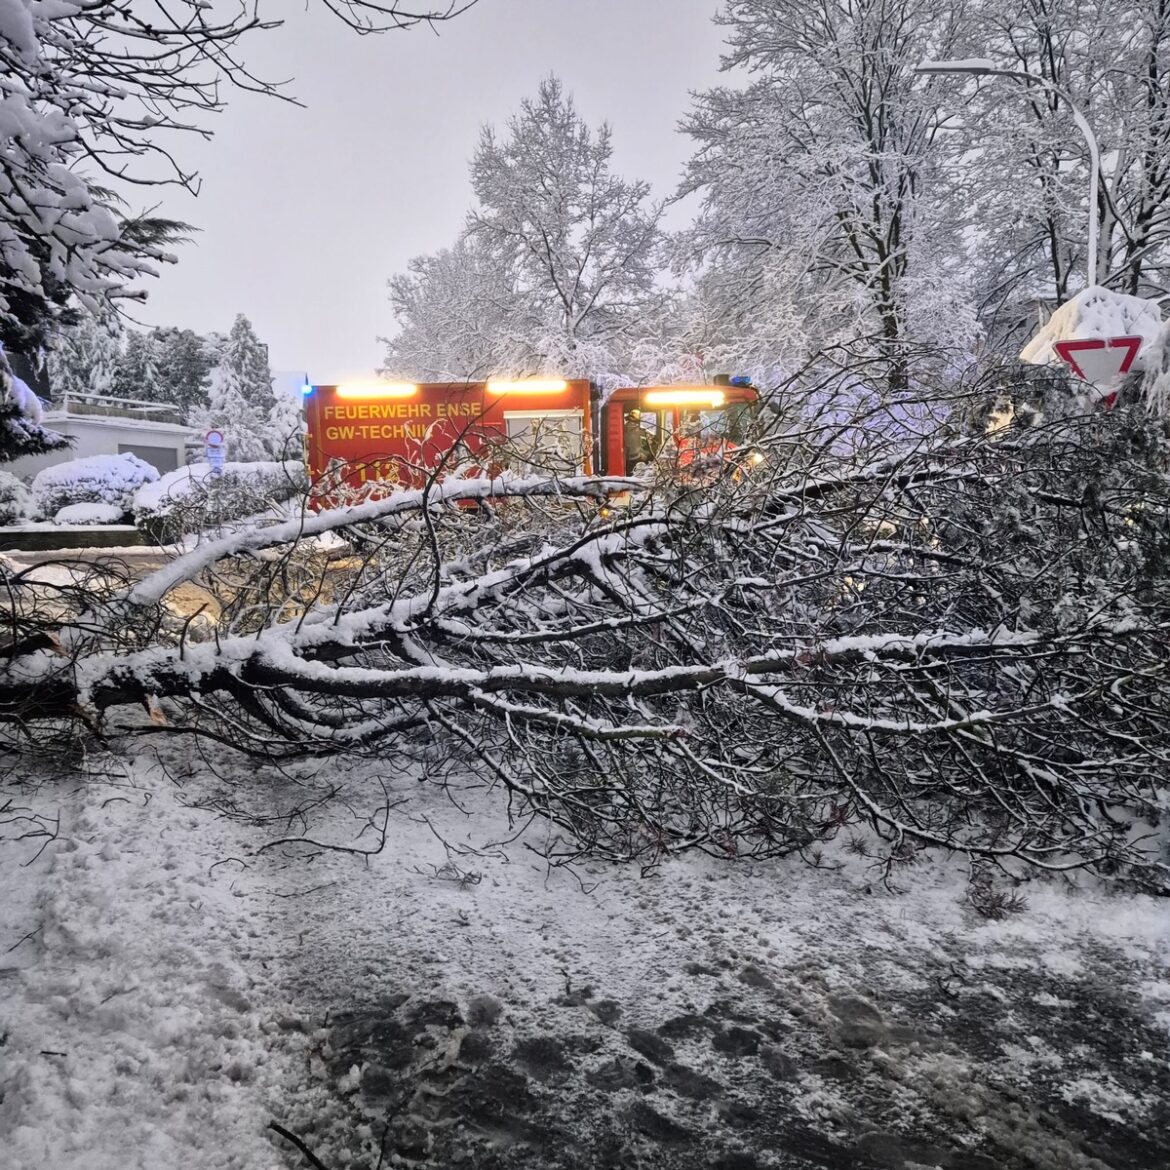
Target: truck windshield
x,y
732,423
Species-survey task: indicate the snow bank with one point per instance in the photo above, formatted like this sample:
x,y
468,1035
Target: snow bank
x,y
1095,313
89,514
97,479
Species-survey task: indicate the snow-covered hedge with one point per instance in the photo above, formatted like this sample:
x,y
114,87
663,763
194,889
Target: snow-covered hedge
x,y
191,499
97,479
90,514
15,499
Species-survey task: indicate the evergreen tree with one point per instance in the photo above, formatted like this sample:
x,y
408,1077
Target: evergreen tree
x,y
184,362
137,374
240,397
86,356
247,357
21,429
286,426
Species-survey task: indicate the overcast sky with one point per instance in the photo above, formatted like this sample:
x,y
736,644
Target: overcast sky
x,y
305,213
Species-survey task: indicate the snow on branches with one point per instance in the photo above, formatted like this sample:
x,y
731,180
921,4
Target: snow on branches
x,y
94,91
960,641
21,419
556,269
241,401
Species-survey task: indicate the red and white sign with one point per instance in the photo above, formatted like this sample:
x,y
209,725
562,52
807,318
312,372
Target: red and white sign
x,y
1101,360
213,450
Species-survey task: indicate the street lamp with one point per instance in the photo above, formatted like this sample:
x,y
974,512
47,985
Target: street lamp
x,y
982,67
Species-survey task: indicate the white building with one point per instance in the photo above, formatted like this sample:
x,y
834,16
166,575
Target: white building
x,y
100,425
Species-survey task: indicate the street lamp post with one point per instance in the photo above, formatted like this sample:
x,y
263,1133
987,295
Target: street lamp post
x,y
981,67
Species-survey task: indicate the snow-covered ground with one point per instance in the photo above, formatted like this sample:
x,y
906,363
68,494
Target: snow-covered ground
x,y
169,986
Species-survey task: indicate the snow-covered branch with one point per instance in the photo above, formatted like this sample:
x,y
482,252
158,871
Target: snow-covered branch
x,y
962,642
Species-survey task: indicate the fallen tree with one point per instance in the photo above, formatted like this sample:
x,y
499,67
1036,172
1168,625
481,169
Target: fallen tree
x,y
959,642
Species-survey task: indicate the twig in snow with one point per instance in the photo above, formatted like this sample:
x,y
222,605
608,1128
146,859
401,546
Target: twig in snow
x,y
300,1145
25,938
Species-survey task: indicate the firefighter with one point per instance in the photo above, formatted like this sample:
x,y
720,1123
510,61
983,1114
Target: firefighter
x,y
636,442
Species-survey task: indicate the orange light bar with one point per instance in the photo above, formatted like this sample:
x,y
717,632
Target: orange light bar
x,y
386,390
685,396
528,386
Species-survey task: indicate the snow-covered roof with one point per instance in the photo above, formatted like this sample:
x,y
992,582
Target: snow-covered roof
x,y
61,418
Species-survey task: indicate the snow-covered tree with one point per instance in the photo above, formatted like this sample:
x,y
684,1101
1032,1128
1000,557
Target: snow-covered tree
x,y
97,356
1022,163
960,644
285,426
184,361
21,419
575,242
59,235
241,402
243,353
826,214
137,372
459,315
1133,209
86,356
97,90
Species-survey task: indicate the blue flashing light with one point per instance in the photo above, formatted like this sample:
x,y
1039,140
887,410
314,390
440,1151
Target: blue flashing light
x,y
306,389
740,380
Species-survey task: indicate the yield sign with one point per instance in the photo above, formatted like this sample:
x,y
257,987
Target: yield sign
x,y
1101,360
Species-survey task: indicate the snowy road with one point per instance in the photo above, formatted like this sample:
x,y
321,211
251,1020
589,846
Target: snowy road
x,y
134,1015
178,990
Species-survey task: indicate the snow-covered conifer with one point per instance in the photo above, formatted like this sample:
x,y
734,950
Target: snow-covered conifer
x,y
21,419
241,402
137,373
86,357
184,361
285,426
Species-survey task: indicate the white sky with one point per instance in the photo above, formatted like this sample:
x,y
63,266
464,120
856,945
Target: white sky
x,y
305,213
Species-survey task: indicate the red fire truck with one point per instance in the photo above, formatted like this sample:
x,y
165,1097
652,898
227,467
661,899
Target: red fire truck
x,y
398,433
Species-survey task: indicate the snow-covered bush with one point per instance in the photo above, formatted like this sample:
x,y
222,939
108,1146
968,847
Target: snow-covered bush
x,y
15,499
97,479
82,514
192,499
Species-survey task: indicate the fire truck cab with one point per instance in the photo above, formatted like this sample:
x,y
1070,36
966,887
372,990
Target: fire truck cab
x,y
683,423
400,433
